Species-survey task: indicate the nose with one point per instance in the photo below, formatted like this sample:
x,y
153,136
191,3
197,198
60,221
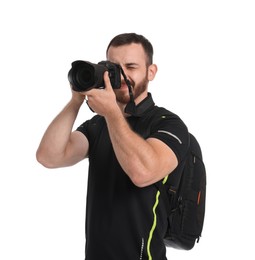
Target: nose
x,y
124,70
124,77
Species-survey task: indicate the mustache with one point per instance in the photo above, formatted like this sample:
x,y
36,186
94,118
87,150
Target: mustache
x,y
132,83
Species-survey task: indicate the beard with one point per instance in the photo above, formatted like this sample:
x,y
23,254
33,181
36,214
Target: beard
x,y
122,95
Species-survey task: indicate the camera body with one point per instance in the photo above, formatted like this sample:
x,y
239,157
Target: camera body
x,y
85,75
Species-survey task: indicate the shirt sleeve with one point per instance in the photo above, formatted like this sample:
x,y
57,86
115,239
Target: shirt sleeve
x,y
171,130
91,128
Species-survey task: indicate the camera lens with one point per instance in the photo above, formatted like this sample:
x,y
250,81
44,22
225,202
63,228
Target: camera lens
x,y
85,75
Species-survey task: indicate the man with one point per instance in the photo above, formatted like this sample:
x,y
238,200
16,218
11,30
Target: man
x,y
129,149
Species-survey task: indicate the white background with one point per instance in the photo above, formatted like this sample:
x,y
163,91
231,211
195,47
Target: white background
x,y
206,59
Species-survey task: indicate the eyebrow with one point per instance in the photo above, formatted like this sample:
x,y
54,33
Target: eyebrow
x,y
131,64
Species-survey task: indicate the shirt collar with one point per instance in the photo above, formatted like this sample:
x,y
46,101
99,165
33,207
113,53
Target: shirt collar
x,y
141,108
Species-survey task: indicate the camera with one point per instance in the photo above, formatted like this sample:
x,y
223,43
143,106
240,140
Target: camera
x,y
85,75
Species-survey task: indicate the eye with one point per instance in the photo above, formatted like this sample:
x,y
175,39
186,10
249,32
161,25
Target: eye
x,y
131,66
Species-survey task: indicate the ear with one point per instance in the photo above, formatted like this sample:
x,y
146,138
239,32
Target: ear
x,y
152,70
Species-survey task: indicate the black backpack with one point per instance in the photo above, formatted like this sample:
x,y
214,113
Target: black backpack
x,y
184,197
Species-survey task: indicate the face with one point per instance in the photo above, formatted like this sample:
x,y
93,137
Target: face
x,y
132,59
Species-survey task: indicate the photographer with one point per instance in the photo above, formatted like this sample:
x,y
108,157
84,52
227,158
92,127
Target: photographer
x,y
125,217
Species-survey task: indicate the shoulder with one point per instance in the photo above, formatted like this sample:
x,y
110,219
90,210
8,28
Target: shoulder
x,y
160,115
92,125
161,111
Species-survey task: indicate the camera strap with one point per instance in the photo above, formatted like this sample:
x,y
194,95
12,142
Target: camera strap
x,y
133,109
130,107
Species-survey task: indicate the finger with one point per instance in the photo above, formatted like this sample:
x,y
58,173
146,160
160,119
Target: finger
x,y
107,81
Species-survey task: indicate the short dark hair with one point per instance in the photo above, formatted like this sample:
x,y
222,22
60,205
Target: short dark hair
x,y
128,38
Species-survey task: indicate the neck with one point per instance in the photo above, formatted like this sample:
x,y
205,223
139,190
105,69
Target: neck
x,y
137,101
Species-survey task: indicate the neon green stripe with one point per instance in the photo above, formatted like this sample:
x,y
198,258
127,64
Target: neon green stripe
x,y
154,224
165,179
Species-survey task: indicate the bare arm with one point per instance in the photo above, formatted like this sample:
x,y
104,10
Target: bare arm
x,y
60,146
144,161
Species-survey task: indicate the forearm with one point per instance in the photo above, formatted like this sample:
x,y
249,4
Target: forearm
x,y
135,155
57,135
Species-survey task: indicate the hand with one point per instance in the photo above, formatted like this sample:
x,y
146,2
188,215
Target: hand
x,y
77,97
103,100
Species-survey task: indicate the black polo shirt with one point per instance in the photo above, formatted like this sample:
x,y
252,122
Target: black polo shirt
x,y
123,221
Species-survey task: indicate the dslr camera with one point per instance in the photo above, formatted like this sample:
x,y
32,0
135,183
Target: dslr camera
x,y
85,75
